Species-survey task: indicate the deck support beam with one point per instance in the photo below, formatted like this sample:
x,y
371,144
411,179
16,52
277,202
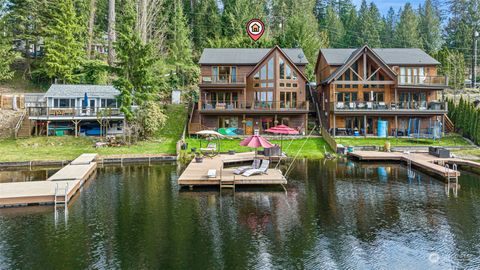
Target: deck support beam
x,y
396,126
365,125
334,131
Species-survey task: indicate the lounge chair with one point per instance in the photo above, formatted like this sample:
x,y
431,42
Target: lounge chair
x,y
240,170
210,150
263,169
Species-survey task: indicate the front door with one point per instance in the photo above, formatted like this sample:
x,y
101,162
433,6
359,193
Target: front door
x,y
249,126
92,105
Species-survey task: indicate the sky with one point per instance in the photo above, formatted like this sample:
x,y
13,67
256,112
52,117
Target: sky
x,y
384,5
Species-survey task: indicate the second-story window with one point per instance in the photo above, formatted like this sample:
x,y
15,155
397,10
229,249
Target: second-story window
x,y
412,75
266,71
224,74
286,72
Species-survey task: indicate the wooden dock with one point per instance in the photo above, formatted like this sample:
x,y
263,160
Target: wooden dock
x,y
424,161
196,173
70,178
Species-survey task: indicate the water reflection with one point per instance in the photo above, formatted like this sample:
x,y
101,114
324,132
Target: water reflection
x,y
25,174
334,215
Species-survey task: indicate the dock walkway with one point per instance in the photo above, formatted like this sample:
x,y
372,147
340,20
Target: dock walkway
x,y
196,174
70,177
424,161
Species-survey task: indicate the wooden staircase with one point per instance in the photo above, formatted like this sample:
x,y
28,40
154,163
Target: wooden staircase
x,y
449,126
194,125
24,127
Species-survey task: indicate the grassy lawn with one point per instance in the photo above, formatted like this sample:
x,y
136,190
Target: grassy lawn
x,y
313,147
68,147
177,116
450,140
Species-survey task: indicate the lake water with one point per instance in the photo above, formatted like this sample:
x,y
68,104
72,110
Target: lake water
x,y
335,215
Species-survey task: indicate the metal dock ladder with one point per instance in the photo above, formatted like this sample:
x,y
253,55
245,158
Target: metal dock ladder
x,y
452,179
61,199
61,195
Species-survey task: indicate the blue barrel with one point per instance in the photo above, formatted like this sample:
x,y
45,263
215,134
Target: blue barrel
x,y
382,127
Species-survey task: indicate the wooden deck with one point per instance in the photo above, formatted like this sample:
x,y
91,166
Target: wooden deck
x,y
43,192
424,161
196,173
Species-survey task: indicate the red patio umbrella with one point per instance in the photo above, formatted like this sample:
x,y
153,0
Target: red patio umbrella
x,y
282,130
256,141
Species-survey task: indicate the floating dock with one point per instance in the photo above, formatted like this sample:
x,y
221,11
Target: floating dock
x,y
59,188
430,164
196,174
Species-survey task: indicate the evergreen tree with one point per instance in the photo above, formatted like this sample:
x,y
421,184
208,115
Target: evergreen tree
x,y
135,79
6,53
463,16
63,51
237,13
387,36
178,43
205,23
430,27
406,34
369,25
334,28
350,24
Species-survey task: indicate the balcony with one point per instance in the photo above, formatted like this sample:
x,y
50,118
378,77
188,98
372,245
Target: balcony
x,y
393,108
254,107
223,80
422,81
45,113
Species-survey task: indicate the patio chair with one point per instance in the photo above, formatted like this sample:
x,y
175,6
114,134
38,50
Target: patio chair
x,y
262,170
352,105
340,105
369,105
382,106
209,150
242,169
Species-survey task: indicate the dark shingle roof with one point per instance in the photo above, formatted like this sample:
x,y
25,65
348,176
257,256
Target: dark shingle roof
x,y
246,56
79,90
394,56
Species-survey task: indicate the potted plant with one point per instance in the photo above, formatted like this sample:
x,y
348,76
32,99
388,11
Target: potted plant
x,y
198,157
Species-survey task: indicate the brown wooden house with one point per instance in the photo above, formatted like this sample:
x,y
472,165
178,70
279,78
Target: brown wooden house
x,y
362,89
251,89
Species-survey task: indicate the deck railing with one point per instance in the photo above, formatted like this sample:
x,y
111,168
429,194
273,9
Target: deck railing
x,y
224,79
422,80
386,106
254,105
74,111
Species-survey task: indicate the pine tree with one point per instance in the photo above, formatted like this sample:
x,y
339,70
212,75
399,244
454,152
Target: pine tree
x,y
63,51
406,34
334,28
387,36
369,25
430,27
463,15
6,53
178,43
237,13
350,24
206,23
135,62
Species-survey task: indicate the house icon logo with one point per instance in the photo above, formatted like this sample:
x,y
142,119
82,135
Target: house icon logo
x,y
255,29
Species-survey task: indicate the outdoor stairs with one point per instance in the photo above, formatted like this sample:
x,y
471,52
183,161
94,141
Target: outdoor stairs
x,y
449,126
25,128
194,121
314,101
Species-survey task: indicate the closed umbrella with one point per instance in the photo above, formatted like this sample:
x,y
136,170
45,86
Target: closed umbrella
x,y
256,141
282,130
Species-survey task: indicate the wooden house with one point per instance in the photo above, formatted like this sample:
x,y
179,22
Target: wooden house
x,y
251,89
378,92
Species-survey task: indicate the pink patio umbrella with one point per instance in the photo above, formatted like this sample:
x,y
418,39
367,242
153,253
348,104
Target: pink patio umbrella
x,y
256,141
282,130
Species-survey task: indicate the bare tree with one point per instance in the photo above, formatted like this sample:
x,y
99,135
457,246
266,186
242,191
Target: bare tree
x,y
150,25
112,36
91,24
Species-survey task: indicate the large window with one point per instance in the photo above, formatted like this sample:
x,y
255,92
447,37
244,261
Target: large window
x,y
224,74
63,103
412,75
288,100
109,103
266,72
229,100
413,100
286,71
347,97
228,122
263,99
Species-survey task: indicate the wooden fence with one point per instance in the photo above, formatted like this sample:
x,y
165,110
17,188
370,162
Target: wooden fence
x,y
10,102
329,139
